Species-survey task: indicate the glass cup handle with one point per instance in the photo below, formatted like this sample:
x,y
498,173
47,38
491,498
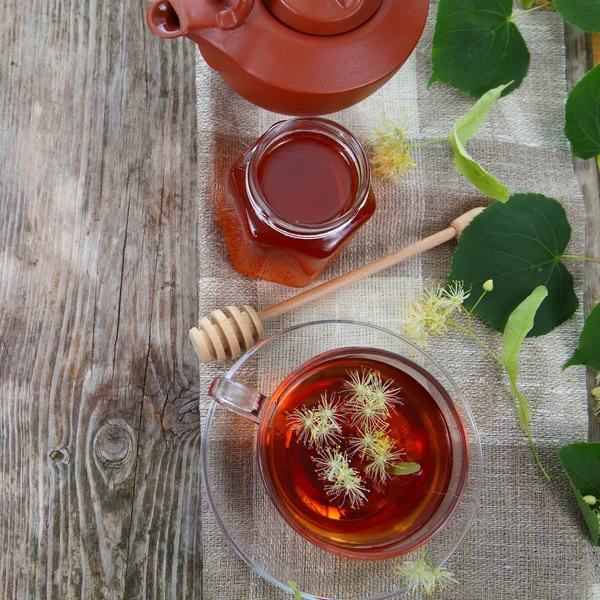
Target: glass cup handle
x,y
234,396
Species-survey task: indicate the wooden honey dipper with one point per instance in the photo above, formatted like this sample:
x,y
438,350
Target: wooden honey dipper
x,y
231,331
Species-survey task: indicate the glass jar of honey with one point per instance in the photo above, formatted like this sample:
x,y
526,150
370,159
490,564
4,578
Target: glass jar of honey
x,y
294,200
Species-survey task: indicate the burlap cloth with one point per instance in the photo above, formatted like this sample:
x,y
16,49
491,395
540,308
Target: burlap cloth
x,y
528,540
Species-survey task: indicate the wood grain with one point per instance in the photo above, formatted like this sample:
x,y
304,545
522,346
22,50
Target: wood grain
x,y
99,426
579,61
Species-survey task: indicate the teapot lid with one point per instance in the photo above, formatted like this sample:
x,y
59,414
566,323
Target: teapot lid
x,y
323,17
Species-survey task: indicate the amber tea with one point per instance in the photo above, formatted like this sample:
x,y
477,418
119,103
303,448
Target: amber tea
x,y
358,455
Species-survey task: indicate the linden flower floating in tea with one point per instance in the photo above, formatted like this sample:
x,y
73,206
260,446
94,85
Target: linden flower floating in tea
x,y
376,448
365,450
370,400
420,574
320,426
345,483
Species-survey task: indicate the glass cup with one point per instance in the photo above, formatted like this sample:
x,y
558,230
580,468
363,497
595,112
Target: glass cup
x,y
267,529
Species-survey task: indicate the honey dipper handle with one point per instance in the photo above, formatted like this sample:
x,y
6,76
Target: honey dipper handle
x,y
376,266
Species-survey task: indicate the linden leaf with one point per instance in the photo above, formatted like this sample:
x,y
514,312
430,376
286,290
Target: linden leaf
x,y
518,245
464,129
405,468
582,125
584,14
581,463
294,587
476,47
588,350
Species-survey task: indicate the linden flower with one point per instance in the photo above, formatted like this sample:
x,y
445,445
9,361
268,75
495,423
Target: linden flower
x,y
370,399
331,464
381,457
321,425
326,434
348,487
345,483
390,151
382,395
328,410
417,574
443,577
596,395
358,384
303,421
327,429
430,314
368,440
420,575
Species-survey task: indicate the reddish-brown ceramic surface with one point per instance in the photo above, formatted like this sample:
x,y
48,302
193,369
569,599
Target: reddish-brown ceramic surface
x,y
323,17
284,70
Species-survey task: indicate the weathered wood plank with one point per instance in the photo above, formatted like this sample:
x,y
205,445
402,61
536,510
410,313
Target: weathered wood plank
x,y
99,428
579,61
596,47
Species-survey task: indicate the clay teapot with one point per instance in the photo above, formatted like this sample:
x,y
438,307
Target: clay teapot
x,y
297,57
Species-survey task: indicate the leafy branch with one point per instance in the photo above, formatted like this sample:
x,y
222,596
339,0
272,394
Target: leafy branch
x,y
477,47
433,314
392,157
521,245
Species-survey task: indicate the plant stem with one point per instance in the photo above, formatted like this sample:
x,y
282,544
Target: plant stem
x,y
478,301
470,312
435,141
598,161
524,12
514,389
537,458
575,257
476,338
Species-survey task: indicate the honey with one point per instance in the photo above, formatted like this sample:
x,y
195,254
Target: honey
x,y
393,509
294,200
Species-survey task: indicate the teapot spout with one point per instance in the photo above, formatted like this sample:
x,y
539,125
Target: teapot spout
x,y
164,20
174,18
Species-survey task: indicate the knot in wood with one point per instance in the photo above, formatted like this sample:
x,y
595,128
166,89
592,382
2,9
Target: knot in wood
x,y
59,456
113,445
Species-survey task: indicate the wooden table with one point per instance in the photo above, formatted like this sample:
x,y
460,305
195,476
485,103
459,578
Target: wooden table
x,y
99,422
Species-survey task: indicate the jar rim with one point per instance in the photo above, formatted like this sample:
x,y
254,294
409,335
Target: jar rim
x,y
354,152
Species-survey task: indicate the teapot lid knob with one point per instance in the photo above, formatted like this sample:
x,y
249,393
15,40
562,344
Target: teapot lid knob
x,y
323,17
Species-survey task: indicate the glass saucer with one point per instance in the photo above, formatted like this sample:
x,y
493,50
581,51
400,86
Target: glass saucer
x,y
242,508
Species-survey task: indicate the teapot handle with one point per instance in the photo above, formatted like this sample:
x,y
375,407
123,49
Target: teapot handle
x,y
174,18
231,18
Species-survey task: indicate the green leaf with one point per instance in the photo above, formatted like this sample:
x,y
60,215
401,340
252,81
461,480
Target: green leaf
x,y
464,129
519,324
476,47
406,468
582,125
588,350
294,587
584,14
519,245
526,3
581,463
